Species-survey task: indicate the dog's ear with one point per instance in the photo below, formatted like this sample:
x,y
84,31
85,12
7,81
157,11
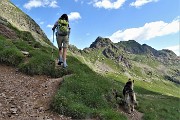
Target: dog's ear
x,y
133,81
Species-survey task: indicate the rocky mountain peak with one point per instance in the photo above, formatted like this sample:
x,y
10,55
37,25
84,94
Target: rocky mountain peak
x,y
131,46
101,42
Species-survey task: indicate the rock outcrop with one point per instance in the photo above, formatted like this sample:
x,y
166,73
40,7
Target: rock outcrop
x,y
101,42
21,21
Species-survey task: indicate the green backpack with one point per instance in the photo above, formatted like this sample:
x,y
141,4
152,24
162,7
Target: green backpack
x,y
63,27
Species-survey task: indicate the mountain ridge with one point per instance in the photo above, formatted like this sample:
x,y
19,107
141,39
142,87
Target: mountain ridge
x,y
22,21
132,46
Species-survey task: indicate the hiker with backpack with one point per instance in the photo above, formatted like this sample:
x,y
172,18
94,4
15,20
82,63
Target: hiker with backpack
x,y
62,37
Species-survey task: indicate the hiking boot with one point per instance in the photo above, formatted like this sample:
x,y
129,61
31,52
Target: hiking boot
x,y
60,62
65,65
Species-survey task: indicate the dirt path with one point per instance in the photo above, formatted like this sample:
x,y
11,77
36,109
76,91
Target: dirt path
x,y
135,115
24,97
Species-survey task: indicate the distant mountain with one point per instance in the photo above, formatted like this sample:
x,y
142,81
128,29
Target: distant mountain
x,y
12,14
132,47
135,48
101,42
129,54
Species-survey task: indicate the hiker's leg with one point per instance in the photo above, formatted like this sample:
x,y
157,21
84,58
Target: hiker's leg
x,y
65,47
60,54
64,55
59,42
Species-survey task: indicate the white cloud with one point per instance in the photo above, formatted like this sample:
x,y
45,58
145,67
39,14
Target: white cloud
x,y
175,49
40,3
139,3
53,4
108,4
146,32
81,1
74,16
50,26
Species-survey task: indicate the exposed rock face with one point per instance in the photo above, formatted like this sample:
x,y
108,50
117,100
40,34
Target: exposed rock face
x,y
124,60
135,48
167,53
150,50
101,42
7,32
116,50
22,21
108,53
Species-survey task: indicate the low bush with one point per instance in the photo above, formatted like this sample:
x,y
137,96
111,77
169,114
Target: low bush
x,y
9,54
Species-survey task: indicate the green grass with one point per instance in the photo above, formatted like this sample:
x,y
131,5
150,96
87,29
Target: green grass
x,y
96,55
9,54
39,61
86,94
159,107
156,99
83,94
145,59
137,71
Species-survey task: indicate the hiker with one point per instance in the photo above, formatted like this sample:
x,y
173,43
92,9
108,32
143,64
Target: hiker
x,y
62,37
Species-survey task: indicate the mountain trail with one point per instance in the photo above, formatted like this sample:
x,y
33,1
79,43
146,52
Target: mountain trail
x,y
24,97
135,115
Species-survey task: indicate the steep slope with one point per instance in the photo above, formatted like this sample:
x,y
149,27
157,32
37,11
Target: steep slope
x,y
22,21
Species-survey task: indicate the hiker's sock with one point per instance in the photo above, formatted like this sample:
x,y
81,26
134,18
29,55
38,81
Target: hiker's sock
x,y
65,64
60,60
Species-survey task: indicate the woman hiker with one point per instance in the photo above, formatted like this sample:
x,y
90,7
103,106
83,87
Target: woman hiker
x,y
62,37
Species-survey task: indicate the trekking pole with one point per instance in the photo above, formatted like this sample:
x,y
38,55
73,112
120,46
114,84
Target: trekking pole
x,y
53,44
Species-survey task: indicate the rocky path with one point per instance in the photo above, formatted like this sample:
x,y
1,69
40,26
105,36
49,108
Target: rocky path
x,y
24,97
135,115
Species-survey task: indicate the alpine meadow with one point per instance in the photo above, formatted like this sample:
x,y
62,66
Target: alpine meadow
x,y
92,84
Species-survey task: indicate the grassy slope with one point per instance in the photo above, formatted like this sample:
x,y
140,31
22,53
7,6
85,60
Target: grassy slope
x,y
87,94
155,93
39,60
84,94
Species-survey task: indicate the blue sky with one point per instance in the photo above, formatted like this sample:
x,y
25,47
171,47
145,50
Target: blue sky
x,y
152,22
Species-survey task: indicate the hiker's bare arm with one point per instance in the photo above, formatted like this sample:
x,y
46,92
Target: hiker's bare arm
x,y
55,25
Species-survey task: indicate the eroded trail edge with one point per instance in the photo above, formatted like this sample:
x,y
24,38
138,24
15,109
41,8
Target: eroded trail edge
x,y
26,97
